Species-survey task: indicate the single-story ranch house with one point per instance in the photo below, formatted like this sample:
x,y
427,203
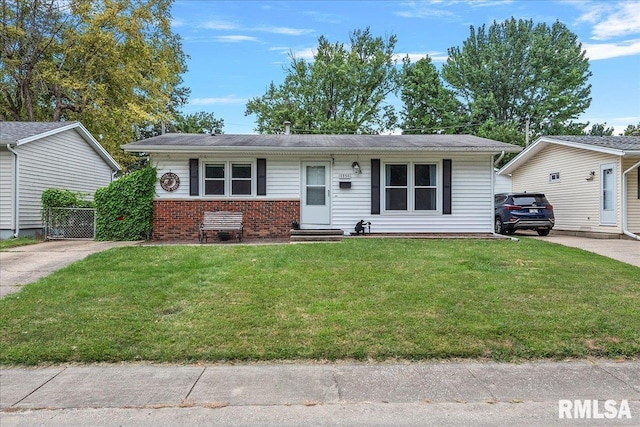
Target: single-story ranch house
x,y
35,156
399,183
593,182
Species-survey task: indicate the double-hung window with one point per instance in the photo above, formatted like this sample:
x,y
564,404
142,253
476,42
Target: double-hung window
x,y
410,187
228,179
214,179
396,187
425,187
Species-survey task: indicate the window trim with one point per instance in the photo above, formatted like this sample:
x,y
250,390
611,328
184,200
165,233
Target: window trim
x,y
228,177
411,188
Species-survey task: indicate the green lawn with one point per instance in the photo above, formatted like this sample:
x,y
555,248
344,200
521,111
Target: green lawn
x,y
20,241
359,299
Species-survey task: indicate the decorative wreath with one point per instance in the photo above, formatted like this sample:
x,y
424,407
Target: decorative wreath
x,y
169,181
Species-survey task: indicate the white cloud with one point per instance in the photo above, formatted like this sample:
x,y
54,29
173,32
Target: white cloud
x,y
235,39
217,101
436,8
219,25
177,23
415,56
285,30
611,19
596,51
624,20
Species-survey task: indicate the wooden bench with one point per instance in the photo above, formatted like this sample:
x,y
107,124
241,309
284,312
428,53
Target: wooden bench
x,y
221,222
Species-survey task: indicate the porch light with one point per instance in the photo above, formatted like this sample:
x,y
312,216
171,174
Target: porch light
x,y
356,167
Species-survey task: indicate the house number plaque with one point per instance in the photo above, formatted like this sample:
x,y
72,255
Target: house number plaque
x,y
169,181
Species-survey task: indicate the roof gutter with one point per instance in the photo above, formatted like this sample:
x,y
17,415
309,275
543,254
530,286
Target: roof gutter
x,y
625,202
308,150
15,220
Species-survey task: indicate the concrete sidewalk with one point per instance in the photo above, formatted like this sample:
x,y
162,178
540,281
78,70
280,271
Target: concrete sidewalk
x,y
469,393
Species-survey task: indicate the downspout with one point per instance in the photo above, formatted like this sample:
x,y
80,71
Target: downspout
x,y
495,164
625,202
16,192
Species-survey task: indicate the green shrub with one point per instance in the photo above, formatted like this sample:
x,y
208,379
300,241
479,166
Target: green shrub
x,y
59,198
125,207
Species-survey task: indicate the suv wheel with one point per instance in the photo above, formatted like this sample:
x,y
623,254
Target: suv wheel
x,y
499,228
543,231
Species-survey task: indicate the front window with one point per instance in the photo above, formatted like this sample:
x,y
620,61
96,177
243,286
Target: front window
x,y
228,178
241,179
425,187
396,187
214,180
411,187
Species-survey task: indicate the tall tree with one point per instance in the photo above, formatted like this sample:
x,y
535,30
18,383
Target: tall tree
x,y
343,90
111,64
632,130
600,129
428,107
516,70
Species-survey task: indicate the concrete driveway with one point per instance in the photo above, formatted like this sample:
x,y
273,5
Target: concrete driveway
x,y
627,251
26,264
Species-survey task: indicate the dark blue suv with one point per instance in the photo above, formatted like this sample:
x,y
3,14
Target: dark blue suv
x,y
523,211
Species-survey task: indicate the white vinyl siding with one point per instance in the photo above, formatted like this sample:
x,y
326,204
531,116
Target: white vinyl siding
x,y
633,202
283,175
6,189
65,161
502,184
575,199
472,200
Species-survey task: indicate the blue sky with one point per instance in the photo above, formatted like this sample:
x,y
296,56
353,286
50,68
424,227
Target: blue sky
x,y
236,48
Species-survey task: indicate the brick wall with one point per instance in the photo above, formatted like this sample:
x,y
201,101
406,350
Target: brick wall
x,y
180,219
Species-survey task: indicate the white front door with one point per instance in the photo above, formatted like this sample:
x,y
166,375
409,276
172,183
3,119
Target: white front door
x,y
316,194
608,200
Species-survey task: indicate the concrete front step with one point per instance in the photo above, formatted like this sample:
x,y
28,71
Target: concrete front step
x,y
325,235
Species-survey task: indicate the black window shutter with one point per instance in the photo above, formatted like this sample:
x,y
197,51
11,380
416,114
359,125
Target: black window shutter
x,y
194,179
262,176
375,186
446,186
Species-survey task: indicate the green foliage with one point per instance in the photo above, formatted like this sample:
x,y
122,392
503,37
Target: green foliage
x,y
125,207
342,91
60,198
429,107
111,64
516,70
632,130
600,129
199,122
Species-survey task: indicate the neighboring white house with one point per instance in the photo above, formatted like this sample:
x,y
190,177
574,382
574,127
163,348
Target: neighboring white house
x,y
501,183
399,183
35,156
591,181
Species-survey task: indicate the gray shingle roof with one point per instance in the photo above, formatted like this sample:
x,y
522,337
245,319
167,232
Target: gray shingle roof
x,y
613,142
205,142
11,132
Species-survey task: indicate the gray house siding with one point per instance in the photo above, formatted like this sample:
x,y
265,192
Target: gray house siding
x,y
63,161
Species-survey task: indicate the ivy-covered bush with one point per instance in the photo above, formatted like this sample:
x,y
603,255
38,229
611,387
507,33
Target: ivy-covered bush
x,y
125,207
58,198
